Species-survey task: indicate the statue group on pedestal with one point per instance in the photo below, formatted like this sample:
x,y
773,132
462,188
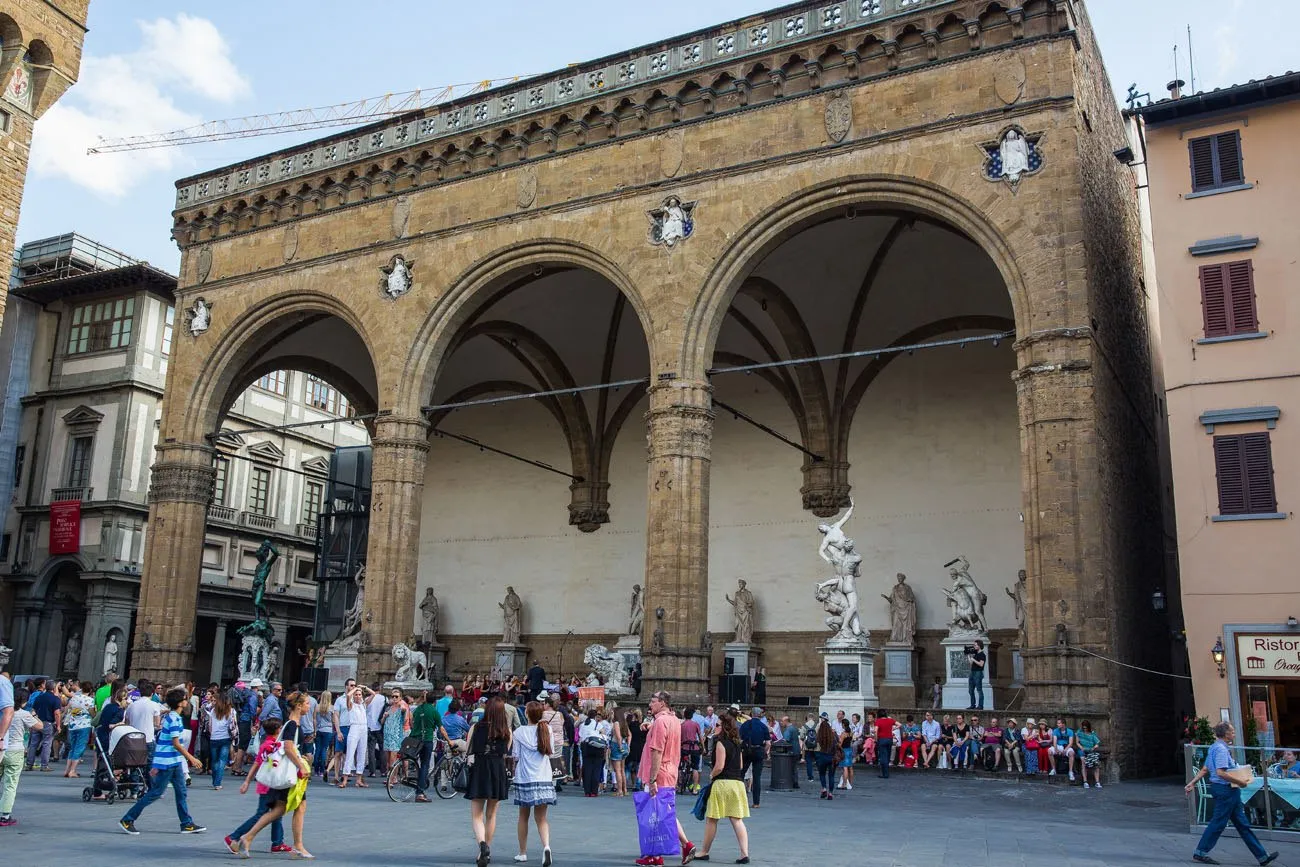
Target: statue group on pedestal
x,y
966,600
839,595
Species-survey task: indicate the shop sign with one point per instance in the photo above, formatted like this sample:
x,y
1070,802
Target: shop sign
x,y
65,527
1268,656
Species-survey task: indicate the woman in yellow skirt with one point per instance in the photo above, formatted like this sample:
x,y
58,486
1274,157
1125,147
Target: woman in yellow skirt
x,y
727,798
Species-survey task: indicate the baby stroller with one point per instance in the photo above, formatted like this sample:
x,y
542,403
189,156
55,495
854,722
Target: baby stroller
x,y
120,766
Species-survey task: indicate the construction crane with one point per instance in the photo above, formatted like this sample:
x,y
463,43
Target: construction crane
x,y
356,113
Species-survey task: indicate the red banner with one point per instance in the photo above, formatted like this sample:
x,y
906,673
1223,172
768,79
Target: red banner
x,y
593,694
65,527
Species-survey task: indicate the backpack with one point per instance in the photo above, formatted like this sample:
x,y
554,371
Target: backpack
x,y
810,739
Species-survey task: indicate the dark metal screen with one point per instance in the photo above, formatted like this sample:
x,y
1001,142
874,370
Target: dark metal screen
x,y
341,536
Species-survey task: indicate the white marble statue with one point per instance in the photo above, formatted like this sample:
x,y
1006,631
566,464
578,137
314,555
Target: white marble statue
x,y
253,657
350,636
4,655
200,316
1014,152
841,592
608,670
72,653
902,612
397,277
110,654
832,545
1018,600
511,608
429,618
743,606
966,600
412,666
636,617
273,661
670,223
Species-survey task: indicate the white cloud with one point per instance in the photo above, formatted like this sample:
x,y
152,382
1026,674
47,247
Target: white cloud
x,y
135,93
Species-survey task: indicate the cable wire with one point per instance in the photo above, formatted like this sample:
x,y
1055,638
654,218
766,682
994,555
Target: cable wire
x,y
1127,665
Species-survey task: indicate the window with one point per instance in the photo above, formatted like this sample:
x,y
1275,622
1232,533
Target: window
x,y
222,466
101,325
1216,161
79,462
323,396
311,500
259,491
169,328
20,457
1228,298
5,541
1243,464
273,382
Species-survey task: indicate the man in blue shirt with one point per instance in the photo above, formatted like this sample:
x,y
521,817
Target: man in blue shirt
x,y
448,693
1062,745
48,708
168,766
1227,801
755,743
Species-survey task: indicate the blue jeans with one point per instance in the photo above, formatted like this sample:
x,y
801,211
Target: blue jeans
x,y
426,761
826,770
810,760
264,805
960,755
220,754
157,784
975,684
884,747
1227,808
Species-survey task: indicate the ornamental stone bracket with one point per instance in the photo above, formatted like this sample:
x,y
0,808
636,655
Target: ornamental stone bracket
x,y
589,508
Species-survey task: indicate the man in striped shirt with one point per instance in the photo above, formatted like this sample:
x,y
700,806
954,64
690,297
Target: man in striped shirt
x,y
168,766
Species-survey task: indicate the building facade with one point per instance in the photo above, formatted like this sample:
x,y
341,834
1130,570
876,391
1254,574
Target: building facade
x,y
87,350
806,183
1224,228
40,56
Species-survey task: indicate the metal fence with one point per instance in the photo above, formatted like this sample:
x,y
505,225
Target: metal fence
x,y
1272,800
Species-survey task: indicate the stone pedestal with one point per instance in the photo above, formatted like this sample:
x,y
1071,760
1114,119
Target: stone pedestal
x,y
898,689
743,657
437,657
848,673
342,664
956,689
512,659
254,658
629,647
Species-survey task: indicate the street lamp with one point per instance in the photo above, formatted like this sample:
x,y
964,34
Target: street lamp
x,y
1217,654
1158,601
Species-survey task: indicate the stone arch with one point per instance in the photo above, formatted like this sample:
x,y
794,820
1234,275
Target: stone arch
x,y
11,34
825,201
51,571
225,371
442,327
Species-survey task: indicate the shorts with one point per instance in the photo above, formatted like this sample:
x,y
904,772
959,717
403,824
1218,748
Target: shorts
x,y
77,740
1092,759
691,759
245,733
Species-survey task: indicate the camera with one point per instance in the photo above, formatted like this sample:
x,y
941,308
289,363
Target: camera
x,y
969,650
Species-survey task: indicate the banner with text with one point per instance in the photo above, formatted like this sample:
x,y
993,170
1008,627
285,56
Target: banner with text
x,y
65,527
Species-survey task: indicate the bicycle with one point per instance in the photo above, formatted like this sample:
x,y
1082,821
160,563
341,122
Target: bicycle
x,y
403,782
446,771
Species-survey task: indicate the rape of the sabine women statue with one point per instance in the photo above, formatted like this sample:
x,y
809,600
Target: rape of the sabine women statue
x,y
839,595
966,600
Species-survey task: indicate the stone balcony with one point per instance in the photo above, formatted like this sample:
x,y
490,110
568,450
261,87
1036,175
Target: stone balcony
x,y
79,494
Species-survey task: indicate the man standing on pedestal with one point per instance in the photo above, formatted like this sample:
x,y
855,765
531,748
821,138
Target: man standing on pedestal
x,y
975,680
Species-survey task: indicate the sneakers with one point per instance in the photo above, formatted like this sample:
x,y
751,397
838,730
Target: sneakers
x,y
1086,786
650,861
233,845
1071,776
1269,858
1052,773
848,786
191,828
1203,859
128,827
282,847
688,852
1097,785
7,821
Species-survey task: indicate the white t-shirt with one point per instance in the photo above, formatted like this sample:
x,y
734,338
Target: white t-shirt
x,y
531,766
79,711
374,710
593,727
354,717
22,722
221,729
141,714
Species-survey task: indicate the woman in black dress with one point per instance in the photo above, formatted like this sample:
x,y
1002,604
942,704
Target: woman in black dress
x,y
489,743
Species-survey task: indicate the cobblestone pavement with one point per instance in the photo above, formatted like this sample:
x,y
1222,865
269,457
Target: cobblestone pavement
x,y
912,820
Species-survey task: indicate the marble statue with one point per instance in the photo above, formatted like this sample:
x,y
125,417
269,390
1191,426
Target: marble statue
x,y
72,653
511,608
672,222
829,595
110,654
200,317
429,618
902,612
1014,152
273,661
832,545
412,666
636,619
743,606
966,600
397,277
350,636
1018,600
840,598
608,671
4,655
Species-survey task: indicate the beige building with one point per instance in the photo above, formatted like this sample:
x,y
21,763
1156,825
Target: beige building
x,y
1223,187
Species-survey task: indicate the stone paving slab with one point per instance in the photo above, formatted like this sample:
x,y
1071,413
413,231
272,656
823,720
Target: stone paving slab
x,y
921,820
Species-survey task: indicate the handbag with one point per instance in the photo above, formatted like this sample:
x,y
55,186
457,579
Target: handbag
x,y
460,782
410,748
296,795
277,772
702,801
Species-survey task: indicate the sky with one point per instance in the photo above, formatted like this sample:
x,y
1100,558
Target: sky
x,y
159,66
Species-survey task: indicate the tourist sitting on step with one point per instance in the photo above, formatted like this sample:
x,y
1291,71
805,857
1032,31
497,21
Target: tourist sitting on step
x,y
909,742
931,740
991,747
1011,747
1062,745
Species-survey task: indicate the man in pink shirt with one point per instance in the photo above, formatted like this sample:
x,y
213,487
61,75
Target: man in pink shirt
x,y
659,763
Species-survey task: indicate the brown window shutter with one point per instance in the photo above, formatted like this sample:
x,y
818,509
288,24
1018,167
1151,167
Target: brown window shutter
x,y
1241,297
1229,469
1228,145
1214,300
1258,458
1202,155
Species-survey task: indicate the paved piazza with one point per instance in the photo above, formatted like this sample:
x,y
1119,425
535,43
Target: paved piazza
x,y
910,821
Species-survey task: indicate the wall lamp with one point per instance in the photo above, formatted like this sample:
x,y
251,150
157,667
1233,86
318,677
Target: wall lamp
x,y
1217,653
1158,601
1291,622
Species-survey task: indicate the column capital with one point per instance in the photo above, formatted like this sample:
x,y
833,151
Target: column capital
x,y
182,473
679,423
401,433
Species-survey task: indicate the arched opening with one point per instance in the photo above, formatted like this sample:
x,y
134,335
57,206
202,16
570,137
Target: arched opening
x,y
548,494
50,620
915,419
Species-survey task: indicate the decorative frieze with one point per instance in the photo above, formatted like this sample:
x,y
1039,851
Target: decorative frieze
x,y
181,483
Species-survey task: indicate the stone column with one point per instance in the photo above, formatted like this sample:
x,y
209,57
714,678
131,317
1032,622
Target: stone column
x,y
180,489
1066,590
675,650
401,448
218,652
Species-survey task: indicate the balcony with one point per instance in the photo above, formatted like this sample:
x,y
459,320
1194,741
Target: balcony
x,y
257,522
224,514
81,494
306,531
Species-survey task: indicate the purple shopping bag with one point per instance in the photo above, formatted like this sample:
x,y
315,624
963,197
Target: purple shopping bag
x,y
656,822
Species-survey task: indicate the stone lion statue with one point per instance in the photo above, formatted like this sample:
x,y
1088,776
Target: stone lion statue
x,y
412,665
607,669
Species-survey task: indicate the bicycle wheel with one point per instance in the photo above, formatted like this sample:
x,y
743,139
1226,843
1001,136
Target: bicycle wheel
x,y
445,777
402,779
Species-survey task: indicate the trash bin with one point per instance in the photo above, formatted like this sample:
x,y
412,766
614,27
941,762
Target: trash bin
x,y
783,764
